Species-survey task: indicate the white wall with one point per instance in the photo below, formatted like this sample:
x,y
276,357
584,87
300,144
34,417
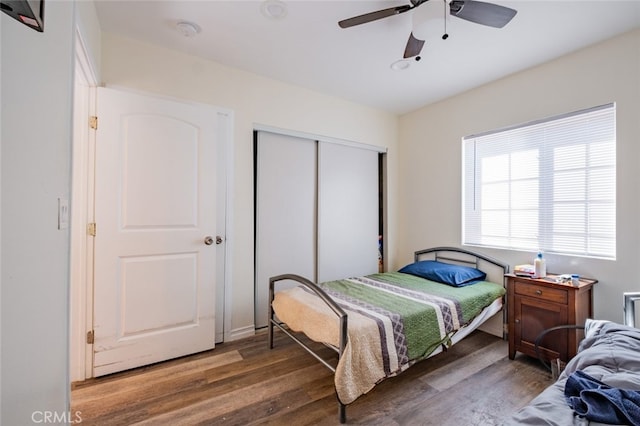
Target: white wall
x,y
89,28
35,166
254,100
430,155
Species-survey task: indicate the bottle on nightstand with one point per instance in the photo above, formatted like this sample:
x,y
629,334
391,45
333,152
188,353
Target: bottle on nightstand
x,y
539,266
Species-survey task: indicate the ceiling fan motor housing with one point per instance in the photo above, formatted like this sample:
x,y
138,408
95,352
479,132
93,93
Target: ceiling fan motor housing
x,y
478,12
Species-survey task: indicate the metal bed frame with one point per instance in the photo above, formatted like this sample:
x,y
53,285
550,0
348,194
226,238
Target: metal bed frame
x,y
630,300
452,255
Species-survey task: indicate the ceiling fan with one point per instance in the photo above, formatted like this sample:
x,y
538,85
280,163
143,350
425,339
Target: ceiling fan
x,y
479,12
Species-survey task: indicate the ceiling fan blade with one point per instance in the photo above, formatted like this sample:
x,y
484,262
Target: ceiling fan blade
x,y
414,47
373,16
479,12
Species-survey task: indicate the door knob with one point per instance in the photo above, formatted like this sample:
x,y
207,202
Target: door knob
x,y
218,239
208,240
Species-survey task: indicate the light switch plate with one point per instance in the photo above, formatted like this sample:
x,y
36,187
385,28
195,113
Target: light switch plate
x,y
63,213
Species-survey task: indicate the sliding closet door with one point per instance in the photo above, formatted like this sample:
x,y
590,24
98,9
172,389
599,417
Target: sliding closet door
x,y
348,211
285,212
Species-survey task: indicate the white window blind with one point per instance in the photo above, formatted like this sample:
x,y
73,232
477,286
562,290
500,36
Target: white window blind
x,y
548,185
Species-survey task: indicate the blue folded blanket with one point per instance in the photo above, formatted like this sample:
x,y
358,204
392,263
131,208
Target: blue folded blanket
x,y
597,401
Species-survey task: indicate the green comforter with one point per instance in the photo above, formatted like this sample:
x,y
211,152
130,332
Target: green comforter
x,y
424,313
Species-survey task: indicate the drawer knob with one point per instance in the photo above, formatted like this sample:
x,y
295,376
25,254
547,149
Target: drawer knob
x,y
517,321
538,292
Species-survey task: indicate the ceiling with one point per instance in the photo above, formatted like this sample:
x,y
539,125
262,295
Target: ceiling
x,y
307,47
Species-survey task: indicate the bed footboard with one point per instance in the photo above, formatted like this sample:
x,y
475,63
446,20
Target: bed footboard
x,y
330,303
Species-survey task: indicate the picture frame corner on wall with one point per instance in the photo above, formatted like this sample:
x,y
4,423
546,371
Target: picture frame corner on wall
x,y
28,12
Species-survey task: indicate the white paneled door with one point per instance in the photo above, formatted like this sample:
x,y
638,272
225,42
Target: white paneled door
x,y
155,244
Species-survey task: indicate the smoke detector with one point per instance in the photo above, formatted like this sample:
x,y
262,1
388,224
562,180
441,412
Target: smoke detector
x,y
187,29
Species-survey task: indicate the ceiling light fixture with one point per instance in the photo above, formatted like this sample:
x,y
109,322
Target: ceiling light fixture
x,y
187,29
274,9
401,65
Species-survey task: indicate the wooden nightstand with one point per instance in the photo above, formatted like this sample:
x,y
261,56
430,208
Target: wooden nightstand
x,y
535,305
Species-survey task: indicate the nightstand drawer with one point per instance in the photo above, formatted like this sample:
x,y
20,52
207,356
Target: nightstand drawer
x,y
541,292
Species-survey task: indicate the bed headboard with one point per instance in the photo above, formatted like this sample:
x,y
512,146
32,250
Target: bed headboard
x,y
494,269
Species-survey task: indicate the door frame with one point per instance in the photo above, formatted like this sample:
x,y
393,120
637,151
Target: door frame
x,y
82,213
81,248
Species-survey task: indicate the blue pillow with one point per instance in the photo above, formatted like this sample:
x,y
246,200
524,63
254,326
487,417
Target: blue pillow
x,y
445,273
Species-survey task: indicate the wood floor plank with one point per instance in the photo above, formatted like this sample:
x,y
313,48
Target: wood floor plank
x,y
245,383
316,413
458,370
240,398
151,380
485,398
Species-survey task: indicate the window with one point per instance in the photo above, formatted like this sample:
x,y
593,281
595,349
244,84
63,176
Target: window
x,y
548,185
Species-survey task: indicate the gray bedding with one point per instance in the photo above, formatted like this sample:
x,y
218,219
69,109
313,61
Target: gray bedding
x,y
609,353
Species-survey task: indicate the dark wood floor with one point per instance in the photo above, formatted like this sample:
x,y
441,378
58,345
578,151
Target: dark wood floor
x,y
243,382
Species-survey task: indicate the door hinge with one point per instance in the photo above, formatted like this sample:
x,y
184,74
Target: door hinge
x,y
93,122
91,229
90,337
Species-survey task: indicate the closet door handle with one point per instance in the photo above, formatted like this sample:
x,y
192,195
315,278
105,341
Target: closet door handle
x,y
208,240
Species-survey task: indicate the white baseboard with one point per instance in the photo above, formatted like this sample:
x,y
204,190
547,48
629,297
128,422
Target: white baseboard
x,y
239,333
